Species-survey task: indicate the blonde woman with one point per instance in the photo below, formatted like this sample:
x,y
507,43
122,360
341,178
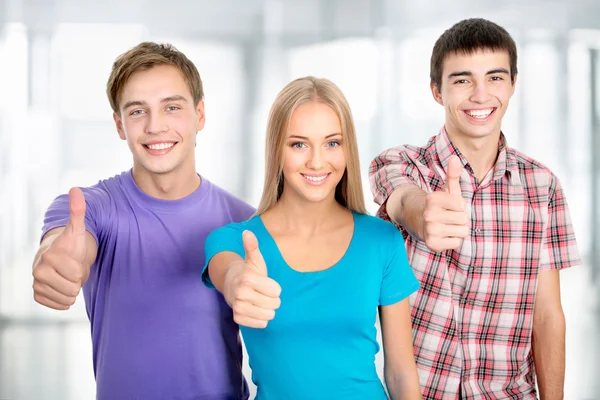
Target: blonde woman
x,y
306,275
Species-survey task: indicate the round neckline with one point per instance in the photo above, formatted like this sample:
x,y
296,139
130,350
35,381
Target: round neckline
x,y
307,273
167,205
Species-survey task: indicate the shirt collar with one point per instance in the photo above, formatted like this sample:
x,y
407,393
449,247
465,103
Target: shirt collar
x,y
506,163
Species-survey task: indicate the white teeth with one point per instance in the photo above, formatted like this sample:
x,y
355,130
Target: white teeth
x,y
480,113
315,178
160,146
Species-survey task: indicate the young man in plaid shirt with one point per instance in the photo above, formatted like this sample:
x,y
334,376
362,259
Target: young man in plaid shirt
x,y
487,231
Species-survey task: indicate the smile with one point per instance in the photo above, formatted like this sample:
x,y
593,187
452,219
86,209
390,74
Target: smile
x,y
160,148
315,179
480,114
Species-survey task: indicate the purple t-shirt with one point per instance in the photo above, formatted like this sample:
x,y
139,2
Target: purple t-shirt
x,y
157,331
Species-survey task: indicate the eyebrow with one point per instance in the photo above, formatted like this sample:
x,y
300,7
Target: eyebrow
x,y
305,138
469,73
143,103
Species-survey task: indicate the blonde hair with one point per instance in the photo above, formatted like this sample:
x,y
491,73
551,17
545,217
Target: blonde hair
x,y
349,192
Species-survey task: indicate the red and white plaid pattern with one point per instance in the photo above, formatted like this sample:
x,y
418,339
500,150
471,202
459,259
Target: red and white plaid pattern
x,y
473,316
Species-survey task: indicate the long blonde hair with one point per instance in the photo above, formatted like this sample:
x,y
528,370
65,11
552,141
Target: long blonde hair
x,y
349,192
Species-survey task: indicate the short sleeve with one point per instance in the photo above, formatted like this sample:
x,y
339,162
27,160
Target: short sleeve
x,y
559,250
226,238
399,281
57,215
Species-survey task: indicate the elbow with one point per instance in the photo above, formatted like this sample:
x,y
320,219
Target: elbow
x,y
549,322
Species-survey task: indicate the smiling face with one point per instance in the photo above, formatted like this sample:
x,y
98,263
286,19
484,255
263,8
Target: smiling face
x,y
475,91
313,156
159,121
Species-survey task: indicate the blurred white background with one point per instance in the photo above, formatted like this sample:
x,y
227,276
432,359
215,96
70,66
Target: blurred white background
x,y
56,129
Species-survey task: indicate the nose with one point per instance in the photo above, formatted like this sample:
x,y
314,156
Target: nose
x,y
316,159
156,123
479,93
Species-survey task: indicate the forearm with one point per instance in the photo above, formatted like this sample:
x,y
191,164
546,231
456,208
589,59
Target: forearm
x,y
403,386
221,267
405,207
549,355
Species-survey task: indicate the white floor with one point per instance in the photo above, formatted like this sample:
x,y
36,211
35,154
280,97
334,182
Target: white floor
x,y
52,361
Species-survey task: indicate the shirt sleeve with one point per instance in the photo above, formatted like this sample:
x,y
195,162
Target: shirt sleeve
x,y
559,250
399,281
57,215
388,171
226,238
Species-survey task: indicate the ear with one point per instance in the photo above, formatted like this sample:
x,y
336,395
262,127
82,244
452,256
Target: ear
x,y
437,95
200,119
119,125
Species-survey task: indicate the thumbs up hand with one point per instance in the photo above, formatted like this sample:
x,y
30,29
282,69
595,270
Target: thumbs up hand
x,y
445,221
251,294
452,185
60,271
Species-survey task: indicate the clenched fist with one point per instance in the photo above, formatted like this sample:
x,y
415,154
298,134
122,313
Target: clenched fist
x,y
251,294
445,221
59,272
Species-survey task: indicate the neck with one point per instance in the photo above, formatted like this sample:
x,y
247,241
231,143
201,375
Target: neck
x,y
174,185
304,217
481,153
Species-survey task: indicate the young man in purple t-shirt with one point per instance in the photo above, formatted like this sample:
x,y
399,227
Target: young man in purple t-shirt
x,y
135,244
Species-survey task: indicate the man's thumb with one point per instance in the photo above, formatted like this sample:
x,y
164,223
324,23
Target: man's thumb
x,y
76,225
253,255
453,172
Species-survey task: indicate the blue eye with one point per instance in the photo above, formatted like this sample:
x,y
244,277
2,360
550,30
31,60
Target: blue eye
x,y
297,145
334,143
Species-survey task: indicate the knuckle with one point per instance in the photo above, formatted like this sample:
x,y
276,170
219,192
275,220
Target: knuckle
x,y
237,308
38,298
74,292
431,229
427,215
36,274
245,280
262,324
37,287
431,198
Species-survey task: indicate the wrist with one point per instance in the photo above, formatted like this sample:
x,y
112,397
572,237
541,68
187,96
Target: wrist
x,y
233,270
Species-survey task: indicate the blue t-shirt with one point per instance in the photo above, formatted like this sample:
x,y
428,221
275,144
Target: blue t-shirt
x,y
323,341
157,332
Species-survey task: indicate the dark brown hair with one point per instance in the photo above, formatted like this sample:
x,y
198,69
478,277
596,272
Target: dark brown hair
x,y
467,37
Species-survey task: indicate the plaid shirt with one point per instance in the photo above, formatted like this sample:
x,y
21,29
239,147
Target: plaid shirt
x,y
473,316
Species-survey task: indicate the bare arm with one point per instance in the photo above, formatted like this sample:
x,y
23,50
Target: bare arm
x,y
222,265
405,207
549,336
400,369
